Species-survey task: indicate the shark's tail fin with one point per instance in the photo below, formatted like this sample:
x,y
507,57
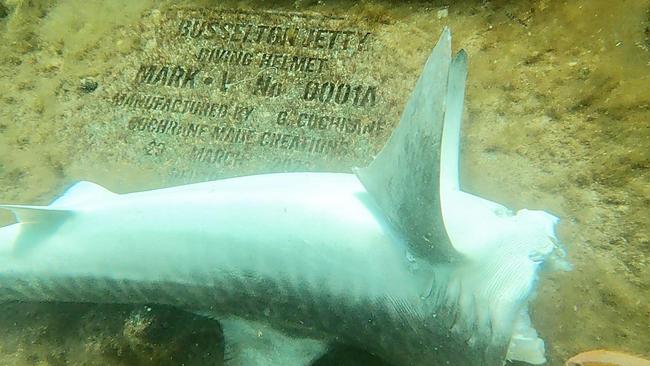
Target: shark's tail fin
x,y
450,144
496,255
404,177
502,251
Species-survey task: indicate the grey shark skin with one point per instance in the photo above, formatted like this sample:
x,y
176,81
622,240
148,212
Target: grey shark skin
x,y
398,261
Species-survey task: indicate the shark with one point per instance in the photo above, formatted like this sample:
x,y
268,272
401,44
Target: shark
x,y
393,258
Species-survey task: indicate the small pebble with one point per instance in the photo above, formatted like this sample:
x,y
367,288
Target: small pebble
x,y
88,85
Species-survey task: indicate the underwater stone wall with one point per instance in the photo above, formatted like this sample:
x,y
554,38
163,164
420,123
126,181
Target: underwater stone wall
x,y
138,95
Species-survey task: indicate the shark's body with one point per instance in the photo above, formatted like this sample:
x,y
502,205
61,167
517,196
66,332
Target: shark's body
x,y
259,256
293,263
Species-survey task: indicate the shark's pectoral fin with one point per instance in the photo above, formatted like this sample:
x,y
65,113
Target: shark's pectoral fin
x,y
404,178
78,195
37,214
255,344
36,223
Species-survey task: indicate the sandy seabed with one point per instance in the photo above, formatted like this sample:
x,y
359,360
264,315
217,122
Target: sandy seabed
x,y
557,118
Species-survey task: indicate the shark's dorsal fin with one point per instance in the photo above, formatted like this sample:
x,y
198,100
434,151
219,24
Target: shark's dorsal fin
x,y
81,193
404,178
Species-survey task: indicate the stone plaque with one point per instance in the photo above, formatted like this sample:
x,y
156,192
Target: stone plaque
x,y
215,93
